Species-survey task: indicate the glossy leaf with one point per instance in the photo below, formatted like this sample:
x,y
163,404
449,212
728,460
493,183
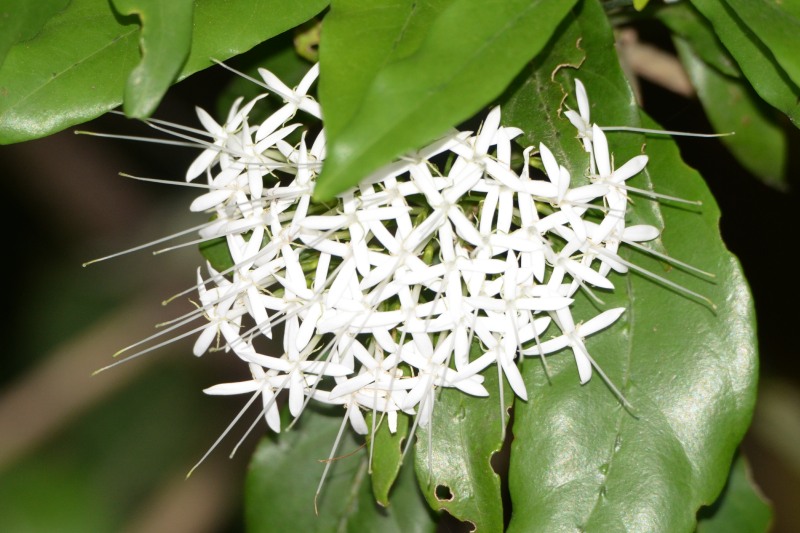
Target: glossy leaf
x,y
536,99
777,26
166,37
579,460
21,20
454,456
768,79
741,507
225,28
427,75
683,20
361,39
760,143
387,455
285,471
77,67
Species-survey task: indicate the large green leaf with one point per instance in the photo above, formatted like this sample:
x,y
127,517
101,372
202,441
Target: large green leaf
x,y
776,23
684,20
760,142
769,80
77,66
21,20
166,38
741,507
361,39
413,77
454,454
285,471
579,460
536,98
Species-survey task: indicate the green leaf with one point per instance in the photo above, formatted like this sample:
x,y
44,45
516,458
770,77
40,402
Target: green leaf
x,y
454,454
225,28
217,253
21,20
392,80
387,455
359,41
279,492
777,27
579,460
760,143
166,38
638,5
76,68
682,19
741,507
536,102
756,62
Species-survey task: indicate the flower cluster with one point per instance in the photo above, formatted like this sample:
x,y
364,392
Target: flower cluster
x,y
449,260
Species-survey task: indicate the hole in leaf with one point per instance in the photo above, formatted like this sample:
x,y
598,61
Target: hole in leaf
x,y
443,493
450,524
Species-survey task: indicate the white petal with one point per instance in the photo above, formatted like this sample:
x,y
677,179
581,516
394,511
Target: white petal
x,y
601,155
550,164
357,420
549,346
586,274
513,375
583,362
640,233
601,321
201,163
583,100
204,340
630,169
227,389
209,200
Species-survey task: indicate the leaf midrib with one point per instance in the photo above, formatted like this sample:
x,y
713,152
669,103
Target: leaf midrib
x,y
622,414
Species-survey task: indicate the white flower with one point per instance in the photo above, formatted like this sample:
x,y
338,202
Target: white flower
x,y
573,337
419,278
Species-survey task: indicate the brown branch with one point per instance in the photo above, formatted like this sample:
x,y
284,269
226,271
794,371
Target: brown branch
x,y
653,64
